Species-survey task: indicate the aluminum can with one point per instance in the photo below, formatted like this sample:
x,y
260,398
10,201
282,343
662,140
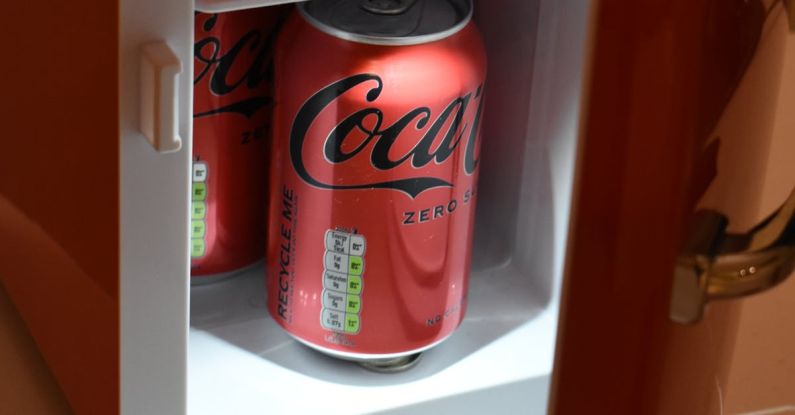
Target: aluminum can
x,y
232,113
374,166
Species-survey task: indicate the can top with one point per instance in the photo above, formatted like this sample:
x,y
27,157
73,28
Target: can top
x,y
388,22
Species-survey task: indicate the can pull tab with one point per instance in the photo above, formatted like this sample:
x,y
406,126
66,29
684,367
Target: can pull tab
x,y
388,7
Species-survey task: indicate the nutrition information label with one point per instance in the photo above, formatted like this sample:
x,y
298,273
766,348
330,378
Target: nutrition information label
x,y
343,269
198,208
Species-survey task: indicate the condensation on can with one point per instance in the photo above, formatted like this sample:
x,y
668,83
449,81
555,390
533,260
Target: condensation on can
x,y
374,167
232,111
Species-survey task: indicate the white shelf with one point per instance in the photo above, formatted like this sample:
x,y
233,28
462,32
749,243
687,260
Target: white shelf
x,y
241,362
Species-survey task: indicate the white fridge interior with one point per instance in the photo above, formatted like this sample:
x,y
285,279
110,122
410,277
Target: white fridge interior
x,y
215,348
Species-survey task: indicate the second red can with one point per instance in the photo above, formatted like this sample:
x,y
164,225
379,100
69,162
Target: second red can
x,y
233,90
374,171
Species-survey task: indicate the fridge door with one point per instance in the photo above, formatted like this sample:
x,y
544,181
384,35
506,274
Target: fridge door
x,y
682,97
59,186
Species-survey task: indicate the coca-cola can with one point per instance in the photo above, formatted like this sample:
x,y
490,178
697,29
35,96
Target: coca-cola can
x,y
374,170
232,113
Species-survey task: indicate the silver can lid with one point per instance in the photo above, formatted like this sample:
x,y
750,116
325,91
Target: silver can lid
x,y
388,22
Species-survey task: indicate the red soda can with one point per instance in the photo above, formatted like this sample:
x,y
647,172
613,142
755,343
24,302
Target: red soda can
x,y
232,112
374,167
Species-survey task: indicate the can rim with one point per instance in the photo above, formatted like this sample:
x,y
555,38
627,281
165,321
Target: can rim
x,y
365,357
385,40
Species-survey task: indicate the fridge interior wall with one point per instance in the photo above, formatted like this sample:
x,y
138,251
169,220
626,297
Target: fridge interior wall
x,y
238,361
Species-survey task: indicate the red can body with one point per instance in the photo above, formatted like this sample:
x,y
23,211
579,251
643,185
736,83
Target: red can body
x,y
373,189
232,112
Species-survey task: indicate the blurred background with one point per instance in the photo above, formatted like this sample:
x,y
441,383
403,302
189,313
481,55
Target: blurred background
x,y
762,377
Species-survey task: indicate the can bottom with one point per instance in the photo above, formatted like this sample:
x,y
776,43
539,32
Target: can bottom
x,y
396,365
383,363
213,278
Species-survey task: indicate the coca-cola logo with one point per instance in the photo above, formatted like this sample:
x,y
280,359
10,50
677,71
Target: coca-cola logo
x,y
377,140
222,67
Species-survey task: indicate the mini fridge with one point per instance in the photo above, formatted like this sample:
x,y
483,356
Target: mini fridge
x,y
624,146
